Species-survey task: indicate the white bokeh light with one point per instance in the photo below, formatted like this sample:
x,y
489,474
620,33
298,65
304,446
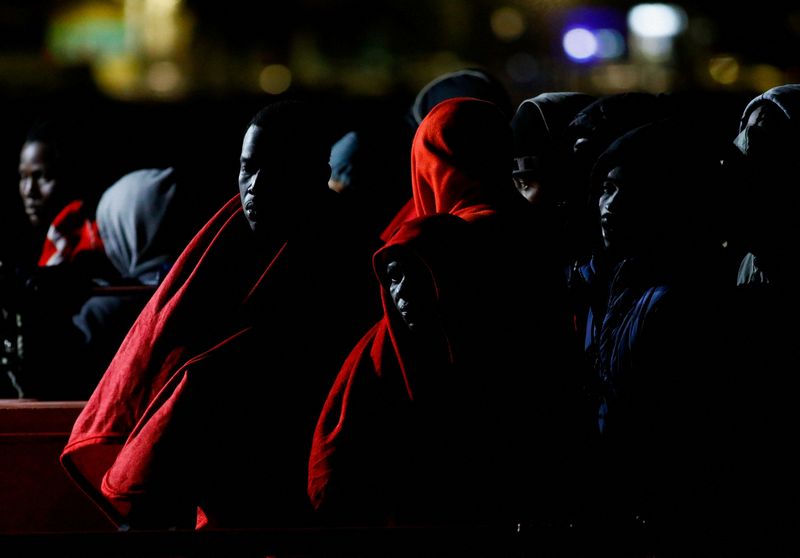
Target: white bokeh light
x,y
656,20
580,44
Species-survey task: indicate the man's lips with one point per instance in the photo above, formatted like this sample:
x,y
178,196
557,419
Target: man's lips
x,y
250,208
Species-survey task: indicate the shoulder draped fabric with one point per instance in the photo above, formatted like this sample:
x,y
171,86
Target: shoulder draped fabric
x,y
369,410
405,213
415,429
71,233
193,315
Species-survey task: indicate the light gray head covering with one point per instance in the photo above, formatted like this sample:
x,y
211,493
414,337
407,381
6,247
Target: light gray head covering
x,y
785,97
130,216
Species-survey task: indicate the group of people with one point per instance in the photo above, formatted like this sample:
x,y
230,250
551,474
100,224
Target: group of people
x,y
79,268
575,312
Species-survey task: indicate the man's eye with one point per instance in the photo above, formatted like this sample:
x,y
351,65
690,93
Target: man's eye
x,y
394,272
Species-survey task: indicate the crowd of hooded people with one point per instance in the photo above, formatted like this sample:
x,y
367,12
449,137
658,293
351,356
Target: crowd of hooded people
x,y
573,313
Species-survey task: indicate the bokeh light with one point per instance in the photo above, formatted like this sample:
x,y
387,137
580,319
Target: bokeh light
x,y
507,23
724,69
580,44
765,76
275,79
610,43
164,77
656,20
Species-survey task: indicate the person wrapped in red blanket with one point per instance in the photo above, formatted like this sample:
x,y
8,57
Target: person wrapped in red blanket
x,y
203,416
431,414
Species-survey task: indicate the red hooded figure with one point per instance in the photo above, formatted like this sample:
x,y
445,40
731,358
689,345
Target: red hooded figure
x,y
424,421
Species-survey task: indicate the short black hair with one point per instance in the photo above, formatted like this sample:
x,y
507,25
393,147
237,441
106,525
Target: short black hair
x,y
46,131
301,126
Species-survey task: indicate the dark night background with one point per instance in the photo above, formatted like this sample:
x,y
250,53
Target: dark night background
x,y
155,83
366,60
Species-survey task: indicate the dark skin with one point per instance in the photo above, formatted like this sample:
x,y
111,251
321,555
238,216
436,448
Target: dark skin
x,y
530,187
612,211
415,298
38,184
412,294
250,171
634,219
274,183
265,181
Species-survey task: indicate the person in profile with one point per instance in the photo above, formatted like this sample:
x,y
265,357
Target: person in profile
x,y
593,129
539,125
48,272
60,221
662,373
541,171
142,234
204,415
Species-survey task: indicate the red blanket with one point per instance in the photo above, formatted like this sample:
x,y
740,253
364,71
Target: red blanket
x,y
128,439
70,234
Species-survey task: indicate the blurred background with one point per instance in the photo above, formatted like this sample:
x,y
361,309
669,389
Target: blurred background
x,y
149,82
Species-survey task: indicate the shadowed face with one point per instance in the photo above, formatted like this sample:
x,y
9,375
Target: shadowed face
x,y
279,177
530,187
412,293
639,213
766,205
612,213
38,186
250,175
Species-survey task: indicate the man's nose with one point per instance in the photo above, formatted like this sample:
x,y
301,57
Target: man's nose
x,y
29,189
402,285
612,202
252,187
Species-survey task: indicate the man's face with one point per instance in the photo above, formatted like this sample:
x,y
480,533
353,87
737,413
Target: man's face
x,y
641,209
528,179
251,179
612,214
38,186
412,294
529,188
